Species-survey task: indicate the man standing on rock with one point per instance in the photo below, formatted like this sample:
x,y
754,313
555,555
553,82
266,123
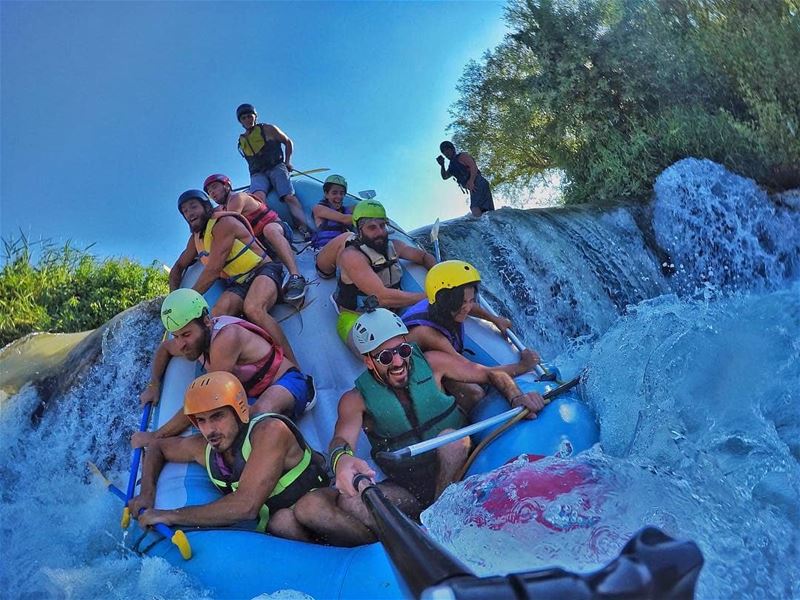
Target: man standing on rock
x,y
462,166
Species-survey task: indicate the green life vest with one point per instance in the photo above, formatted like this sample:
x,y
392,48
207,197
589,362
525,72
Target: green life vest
x,y
432,409
305,476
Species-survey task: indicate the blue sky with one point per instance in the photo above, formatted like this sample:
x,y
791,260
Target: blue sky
x,y
110,110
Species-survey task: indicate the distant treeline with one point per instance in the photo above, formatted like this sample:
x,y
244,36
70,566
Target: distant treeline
x,y
610,92
64,289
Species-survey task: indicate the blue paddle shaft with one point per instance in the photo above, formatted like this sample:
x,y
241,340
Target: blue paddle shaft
x,y
137,453
159,527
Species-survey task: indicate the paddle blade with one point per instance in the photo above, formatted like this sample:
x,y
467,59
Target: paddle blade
x,y
435,231
182,542
93,468
126,518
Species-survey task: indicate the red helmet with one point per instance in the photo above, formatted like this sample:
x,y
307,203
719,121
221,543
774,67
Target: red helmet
x,y
217,177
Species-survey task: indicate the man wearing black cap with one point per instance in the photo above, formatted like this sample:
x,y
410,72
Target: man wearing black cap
x,y
262,146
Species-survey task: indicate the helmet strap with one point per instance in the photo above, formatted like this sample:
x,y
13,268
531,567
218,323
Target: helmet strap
x,y
207,330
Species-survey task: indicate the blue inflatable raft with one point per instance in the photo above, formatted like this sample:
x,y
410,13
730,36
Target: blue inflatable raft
x,y
241,563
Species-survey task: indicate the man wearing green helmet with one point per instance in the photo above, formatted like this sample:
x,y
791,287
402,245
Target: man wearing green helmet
x,y
397,400
228,249
260,145
369,265
224,343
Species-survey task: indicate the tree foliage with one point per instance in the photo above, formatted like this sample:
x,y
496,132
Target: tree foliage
x,y
67,289
613,91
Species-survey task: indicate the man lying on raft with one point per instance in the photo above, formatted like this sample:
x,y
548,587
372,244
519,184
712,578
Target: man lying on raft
x,y
398,400
369,265
267,226
262,465
437,322
226,246
225,344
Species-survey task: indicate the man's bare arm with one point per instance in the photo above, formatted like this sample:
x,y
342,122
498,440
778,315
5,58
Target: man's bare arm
x,y
286,141
469,162
348,426
183,262
181,450
165,351
415,255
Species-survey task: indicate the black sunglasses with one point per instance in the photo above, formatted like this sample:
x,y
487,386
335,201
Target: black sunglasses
x,y
385,357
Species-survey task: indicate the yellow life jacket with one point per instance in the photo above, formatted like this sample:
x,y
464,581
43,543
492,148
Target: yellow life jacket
x,y
242,258
259,150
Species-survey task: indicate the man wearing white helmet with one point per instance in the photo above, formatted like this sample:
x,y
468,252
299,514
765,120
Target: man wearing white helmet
x,y
398,400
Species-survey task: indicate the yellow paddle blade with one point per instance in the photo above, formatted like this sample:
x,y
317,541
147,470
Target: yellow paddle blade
x,y
182,542
126,518
93,468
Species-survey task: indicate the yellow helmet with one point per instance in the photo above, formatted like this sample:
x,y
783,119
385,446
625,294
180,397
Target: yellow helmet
x,y
214,390
447,275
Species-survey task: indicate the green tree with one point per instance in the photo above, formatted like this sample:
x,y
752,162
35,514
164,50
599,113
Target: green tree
x,y
64,289
610,92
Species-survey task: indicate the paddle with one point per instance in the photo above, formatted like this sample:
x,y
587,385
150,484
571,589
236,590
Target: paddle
x,y
137,456
177,537
438,442
306,173
421,561
650,565
515,341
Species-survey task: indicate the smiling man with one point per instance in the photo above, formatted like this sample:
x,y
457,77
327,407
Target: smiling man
x,y
398,400
275,234
369,265
225,244
262,465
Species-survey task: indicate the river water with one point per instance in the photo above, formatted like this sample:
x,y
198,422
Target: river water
x,y
684,317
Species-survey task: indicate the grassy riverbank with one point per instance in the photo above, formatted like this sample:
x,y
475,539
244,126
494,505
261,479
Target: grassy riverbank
x,y
64,289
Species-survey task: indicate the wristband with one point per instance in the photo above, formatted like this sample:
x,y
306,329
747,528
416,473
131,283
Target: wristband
x,y
337,453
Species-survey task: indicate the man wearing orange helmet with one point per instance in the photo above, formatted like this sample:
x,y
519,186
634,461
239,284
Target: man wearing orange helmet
x,y
263,466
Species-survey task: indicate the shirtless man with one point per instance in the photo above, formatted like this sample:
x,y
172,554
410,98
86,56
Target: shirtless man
x,y
272,381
